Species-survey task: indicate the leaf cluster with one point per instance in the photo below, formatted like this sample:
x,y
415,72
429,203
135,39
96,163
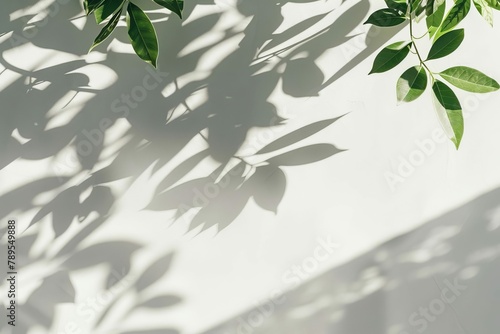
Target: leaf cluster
x,y
141,31
445,39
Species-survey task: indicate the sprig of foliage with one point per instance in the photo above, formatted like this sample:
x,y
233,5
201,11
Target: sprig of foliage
x,y
140,29
445,40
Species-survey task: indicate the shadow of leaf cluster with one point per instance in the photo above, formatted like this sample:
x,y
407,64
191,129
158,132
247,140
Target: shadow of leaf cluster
x,y
236,98
397,286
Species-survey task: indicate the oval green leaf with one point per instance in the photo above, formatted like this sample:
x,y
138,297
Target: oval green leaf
x,y
495,4
484,9
433,6
418,7
446,44
390,56
142,34
107,8
469,79
175,6
386,17
399,5
449,112
411,84
107,30
434,20
91,5
456,14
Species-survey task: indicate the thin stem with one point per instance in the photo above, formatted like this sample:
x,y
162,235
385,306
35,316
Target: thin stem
x,y
421,36
422,62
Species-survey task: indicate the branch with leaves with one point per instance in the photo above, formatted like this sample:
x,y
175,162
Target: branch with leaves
x,y
441,30
445,40
140,29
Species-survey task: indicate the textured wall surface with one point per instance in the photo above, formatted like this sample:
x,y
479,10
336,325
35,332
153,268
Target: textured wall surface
x,y
258,182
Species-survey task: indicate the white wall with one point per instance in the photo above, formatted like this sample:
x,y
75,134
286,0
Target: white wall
x,y
224,96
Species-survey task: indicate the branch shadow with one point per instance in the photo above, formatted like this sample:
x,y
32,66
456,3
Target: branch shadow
x,y
425,280
62,112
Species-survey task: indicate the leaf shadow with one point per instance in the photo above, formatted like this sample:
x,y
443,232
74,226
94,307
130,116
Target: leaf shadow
x,y
393,286
237,88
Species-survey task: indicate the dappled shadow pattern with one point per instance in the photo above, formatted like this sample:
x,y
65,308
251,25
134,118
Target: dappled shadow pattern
x,y
441,278
161,114
238,90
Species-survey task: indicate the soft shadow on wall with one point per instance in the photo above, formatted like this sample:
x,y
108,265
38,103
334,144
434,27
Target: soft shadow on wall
x,y
441,278
237,90
238,93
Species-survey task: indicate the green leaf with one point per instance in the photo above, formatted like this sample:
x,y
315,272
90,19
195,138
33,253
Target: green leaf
x,y
449,112
469,79
175,6
390,56
434,20
142,34
91,5
418,7
484,9
456,14
108,29
432,6
399,5
495,4
411,84
415,4
446,44
387,17
107,8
